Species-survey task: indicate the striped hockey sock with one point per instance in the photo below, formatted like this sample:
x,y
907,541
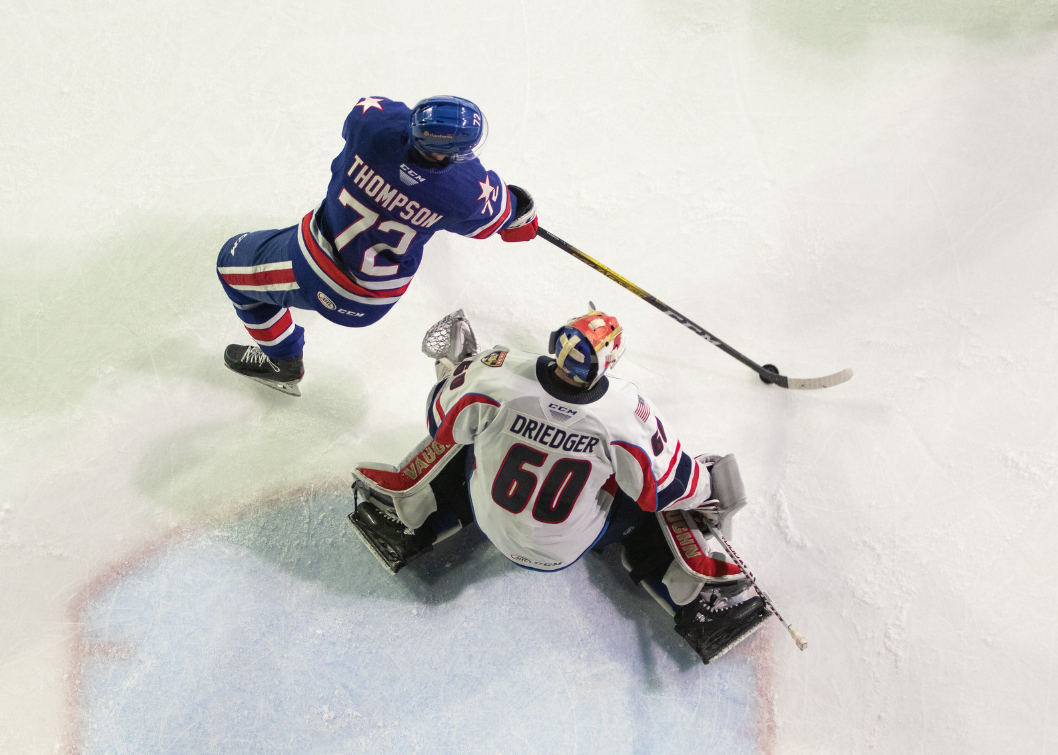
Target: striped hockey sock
x,y
273,329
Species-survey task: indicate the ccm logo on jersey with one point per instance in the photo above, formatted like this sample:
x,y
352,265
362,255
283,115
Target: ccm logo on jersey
x,y
552,437
409,177
530,562
559,409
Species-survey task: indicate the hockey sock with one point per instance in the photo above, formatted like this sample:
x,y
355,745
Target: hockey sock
x,y
273,329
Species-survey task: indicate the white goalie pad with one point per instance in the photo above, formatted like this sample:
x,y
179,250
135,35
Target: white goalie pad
x,y
682,587
407,485
698,555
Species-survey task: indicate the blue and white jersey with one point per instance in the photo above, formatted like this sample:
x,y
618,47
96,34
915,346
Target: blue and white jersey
x,y
366,238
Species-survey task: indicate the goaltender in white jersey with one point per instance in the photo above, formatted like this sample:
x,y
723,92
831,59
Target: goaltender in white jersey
x,y
552,456
539,441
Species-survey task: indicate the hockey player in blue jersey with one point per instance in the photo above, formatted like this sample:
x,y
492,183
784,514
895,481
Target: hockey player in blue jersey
x,y
404,174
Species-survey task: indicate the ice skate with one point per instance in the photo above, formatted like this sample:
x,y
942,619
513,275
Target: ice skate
x,y
281,374
720,618
377,524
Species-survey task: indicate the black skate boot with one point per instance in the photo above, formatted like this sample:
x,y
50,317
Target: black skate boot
x,y
281,374
377,524
720,618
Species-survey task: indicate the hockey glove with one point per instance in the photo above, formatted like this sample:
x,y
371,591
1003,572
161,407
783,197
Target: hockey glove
x,y
449,341
523,227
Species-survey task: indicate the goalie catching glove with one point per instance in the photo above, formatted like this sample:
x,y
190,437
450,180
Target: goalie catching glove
x,y
449,341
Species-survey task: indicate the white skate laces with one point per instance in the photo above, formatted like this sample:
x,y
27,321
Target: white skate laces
x,y
253,355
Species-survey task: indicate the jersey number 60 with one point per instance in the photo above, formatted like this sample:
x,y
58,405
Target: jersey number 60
x,y
514,485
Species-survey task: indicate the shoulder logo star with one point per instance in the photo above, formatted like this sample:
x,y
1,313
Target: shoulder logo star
x,y
489,194
369,102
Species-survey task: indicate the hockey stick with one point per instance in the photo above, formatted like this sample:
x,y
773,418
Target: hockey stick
x,y
768,373
802,643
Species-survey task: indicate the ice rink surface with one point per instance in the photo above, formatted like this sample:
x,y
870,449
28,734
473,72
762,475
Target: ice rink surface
x,y
821,185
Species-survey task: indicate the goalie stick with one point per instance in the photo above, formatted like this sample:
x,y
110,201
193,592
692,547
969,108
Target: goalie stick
x,y
768,373
802,643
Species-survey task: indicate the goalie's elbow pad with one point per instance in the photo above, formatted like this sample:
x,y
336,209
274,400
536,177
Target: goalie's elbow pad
x,y
524,225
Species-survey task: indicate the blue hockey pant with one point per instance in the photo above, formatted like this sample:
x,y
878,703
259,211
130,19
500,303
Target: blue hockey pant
x,y
263,274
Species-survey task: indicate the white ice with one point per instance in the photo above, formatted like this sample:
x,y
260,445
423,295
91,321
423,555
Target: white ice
x,y
822,185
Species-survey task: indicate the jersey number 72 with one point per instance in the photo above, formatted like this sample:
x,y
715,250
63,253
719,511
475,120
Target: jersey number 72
x,y
368,219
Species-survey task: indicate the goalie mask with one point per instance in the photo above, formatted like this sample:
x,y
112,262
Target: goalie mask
x,y
586,347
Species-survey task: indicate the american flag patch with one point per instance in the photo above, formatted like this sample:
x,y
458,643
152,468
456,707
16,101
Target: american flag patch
x,y
642,409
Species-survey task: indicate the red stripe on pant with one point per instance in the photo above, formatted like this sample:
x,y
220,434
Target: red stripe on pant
x,y
272,332
266,278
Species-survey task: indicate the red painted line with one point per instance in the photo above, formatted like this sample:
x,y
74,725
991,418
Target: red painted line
x,y
80,649
758,648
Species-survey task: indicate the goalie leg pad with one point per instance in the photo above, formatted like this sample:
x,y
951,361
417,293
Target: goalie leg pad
x,y
407,487
694,549
648,556
402,512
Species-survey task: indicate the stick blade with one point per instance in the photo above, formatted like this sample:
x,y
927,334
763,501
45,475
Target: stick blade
x,y
811,384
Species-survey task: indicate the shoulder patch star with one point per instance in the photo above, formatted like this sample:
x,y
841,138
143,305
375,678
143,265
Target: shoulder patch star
x,y
369,102
488,193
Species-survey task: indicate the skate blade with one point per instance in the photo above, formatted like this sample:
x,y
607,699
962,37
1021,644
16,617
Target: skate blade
x,y
290,389
371,546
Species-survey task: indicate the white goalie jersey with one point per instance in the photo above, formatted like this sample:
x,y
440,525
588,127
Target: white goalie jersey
x,y
548,459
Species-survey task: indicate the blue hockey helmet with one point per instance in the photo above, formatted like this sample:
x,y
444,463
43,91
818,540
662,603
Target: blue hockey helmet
x,y
449,126
586,347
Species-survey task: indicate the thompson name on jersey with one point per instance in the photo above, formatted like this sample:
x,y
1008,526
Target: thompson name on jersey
x,y
382,206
